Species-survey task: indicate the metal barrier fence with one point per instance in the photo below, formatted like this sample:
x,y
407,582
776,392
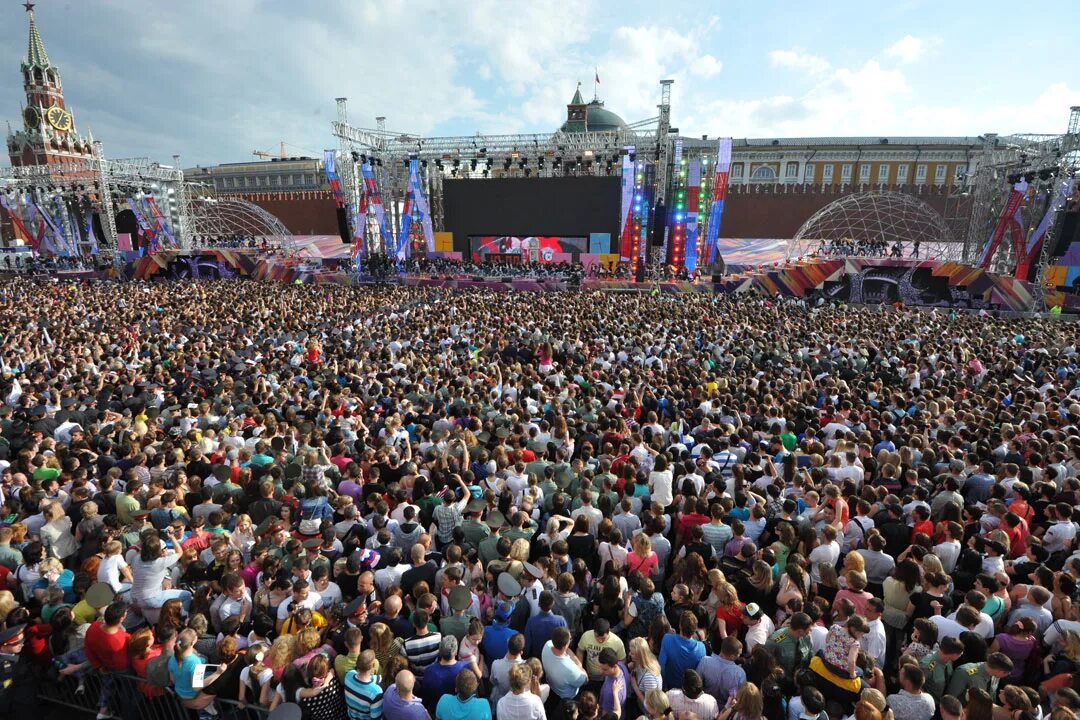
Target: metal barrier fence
x,y
127,700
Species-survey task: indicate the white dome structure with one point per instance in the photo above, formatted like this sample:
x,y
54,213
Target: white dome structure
x,y
876,224
216,217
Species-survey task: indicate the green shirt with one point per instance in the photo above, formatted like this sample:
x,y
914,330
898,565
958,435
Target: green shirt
x,y
789,651
475,531
971,675
10,557
937,672
455,625
486,549
125,505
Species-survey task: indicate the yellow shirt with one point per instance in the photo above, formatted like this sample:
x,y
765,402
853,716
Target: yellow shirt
x,y
84,613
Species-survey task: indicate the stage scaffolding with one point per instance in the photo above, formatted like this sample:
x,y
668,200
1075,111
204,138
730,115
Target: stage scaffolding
x,y
98,184
480,156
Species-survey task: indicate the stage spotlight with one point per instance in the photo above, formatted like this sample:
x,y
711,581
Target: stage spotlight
x,y
457,163
633,156
473,163
355,156
485,173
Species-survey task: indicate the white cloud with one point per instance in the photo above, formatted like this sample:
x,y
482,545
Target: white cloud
x,y
797,60
706,66
910,49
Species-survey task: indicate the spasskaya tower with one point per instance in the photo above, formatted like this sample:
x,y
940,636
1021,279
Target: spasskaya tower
x,y
48,130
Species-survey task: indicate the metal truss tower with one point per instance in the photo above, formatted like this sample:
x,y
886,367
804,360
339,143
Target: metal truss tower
x,y
1069,167
663,156
556,154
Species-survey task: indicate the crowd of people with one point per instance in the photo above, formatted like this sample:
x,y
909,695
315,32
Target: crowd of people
x,y
849,247
408,503
489,268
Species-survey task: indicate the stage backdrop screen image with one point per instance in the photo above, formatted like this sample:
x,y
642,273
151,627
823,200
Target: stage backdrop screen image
x,y
567,207
544,248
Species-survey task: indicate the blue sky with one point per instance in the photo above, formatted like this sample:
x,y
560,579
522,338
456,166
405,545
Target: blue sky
x,y
214,80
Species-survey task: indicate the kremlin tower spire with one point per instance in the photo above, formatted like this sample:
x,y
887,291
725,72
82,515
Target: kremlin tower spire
x,y
35,53
48,135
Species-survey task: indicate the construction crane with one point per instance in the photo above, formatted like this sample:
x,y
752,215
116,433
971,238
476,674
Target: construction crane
x,y
265,155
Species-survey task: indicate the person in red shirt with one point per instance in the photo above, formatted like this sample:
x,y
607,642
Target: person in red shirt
x,y
922,522
1016,528
106,650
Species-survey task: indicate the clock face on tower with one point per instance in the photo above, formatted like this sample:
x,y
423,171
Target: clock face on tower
x,y
32,118
59,118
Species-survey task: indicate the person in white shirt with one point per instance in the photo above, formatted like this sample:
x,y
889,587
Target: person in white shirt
x,y
302,597
827,553
516,482
661,481
520,703
1061,534
328,590
966,619
873,642
113,569
236,599
594,515
948,551
758,626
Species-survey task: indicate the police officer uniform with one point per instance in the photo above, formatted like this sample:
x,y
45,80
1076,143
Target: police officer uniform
x,y
937,672
971,675
18,684
790,651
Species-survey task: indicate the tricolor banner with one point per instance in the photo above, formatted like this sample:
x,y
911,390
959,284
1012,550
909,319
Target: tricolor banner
x,y
1007,221
1064,190
626,239
330,165
693,181
716,211
159,221
373,198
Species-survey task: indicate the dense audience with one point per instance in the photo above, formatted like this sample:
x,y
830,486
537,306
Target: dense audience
x,y
408,503
489,268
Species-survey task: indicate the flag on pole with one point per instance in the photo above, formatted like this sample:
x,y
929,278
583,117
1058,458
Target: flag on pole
x,y
597,73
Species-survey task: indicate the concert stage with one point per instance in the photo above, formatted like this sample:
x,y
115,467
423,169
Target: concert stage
x,y
854,280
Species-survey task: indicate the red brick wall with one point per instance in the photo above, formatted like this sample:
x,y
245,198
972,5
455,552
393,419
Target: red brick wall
x,y
753,211
778,211
301,213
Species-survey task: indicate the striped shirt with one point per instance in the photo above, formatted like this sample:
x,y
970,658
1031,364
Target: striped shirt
x,y
421,651
363,698
716,535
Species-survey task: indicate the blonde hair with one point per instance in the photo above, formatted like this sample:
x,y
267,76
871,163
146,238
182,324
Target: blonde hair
x,y
307,640
643,656
7,602
748,702
726,594
380,638
54,511
642,545
50,563
854,561
520,550
282,652
656,702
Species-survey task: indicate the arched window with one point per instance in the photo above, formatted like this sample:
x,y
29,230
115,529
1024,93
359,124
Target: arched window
x,y
764,173
37,76
51,77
